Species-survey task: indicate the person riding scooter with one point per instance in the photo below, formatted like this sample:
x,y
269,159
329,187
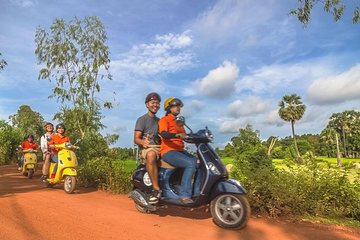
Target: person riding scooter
x,y
28,145
49,129
57,138
146,137
172,147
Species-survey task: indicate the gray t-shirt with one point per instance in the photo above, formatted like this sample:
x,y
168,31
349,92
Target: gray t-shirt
x,y
149,127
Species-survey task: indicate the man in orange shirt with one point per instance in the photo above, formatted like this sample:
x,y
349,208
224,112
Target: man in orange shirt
x,y
172,147
27,144
57,138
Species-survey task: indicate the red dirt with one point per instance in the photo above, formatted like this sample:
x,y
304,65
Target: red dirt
x,y
28,210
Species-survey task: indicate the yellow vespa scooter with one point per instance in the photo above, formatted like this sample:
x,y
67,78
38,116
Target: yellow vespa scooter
x,y
66,170
30,163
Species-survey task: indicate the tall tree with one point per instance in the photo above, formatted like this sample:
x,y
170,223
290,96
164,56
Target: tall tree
x,y
3,63
28,121
335,7
77,59
291,110
330,138
347,125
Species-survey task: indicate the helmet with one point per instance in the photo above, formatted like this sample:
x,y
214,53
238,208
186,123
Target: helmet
x,y
152,96
60,125
171,101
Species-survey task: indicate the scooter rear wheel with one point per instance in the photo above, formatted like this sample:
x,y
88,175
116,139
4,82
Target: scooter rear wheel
x,y
69,184
141,209
230,210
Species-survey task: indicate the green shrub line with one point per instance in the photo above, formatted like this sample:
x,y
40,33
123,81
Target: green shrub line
x,y
315,188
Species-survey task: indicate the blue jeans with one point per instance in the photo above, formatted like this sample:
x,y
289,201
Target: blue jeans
x,y
54,158
188,162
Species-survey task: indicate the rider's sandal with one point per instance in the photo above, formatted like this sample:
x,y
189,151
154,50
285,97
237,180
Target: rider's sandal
x,y
154,197
186,200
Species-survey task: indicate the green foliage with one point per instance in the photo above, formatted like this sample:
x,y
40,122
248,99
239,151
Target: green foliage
x,y
106,174
335,7
28,121
76,57
10,138
302,189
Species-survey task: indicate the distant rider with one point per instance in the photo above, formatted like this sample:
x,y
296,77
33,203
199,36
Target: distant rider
x,y
146,137
27,145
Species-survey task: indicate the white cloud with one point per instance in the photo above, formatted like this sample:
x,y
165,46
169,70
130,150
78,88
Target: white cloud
x,y
336,89
273,118
219,82
250,106
169,53
231,126
197,105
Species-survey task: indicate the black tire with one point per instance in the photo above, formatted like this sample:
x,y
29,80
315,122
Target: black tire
x,y
69,184
30,173
230,210
141,209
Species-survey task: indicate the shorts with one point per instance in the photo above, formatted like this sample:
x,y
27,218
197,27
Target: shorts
x,y
154,148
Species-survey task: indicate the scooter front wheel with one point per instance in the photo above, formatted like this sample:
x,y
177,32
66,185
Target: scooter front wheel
x,y
69,184
230,210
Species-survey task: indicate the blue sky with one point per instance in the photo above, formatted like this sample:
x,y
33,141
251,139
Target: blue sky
x,y
230,61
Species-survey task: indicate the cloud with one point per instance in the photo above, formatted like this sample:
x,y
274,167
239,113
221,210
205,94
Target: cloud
x,y
24,3
273,118
197,105
336,89
169,53
231,126
250,106
218,83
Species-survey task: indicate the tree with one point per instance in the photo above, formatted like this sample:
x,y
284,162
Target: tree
x,y
291,110
28,121
10,138
335,7
3,63
347,125
76,57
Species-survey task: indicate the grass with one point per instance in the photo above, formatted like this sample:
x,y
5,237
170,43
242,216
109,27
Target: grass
x,y
346,222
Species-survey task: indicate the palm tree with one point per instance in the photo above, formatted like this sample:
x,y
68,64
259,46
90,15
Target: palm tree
x,y
292,109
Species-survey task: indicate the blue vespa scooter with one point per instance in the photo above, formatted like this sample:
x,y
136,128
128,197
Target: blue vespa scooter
x,y
229,206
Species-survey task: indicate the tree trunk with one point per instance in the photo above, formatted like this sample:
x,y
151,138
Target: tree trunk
x,y
338,159
298,157
271,146
344,141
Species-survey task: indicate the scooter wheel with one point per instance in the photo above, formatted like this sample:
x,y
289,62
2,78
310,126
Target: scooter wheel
x,y
69,184
141,209
30,173
230,211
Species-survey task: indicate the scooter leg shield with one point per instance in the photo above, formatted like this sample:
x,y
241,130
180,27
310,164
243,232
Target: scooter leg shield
x,y
227,186
69,172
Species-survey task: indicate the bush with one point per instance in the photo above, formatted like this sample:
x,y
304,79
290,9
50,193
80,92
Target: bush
x,y
106,174
303,189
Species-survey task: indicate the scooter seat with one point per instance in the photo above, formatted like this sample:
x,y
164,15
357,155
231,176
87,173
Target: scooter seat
x,y
164,164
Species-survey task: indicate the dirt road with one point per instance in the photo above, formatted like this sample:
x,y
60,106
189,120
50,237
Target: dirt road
x,y
28,210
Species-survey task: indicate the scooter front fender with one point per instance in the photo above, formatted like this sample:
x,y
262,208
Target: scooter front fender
x,y
226,186
69,172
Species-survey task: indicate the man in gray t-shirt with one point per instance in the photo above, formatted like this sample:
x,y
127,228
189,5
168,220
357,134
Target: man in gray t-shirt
x,y
147,138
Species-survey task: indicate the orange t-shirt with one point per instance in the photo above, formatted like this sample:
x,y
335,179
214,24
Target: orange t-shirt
x,y
27,145
168,124
57,139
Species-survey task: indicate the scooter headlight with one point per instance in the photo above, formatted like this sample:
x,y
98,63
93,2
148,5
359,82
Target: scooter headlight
x,y
213,168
